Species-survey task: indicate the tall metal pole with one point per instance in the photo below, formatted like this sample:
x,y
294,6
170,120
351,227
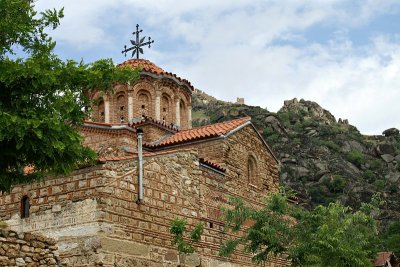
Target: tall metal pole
x,y
140,167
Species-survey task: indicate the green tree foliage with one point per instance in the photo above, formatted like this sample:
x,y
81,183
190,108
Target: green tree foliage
x,y
326,236
43,100
178,229
391,238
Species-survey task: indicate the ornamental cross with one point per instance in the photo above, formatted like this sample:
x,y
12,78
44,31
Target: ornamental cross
x,y
137,45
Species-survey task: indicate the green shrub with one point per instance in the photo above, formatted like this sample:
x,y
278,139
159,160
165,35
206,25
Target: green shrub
x,y
380,184
391,238
369,176
356,157
330,144
328,130
274,138
268,131
320,195
375,164
393,188
335,184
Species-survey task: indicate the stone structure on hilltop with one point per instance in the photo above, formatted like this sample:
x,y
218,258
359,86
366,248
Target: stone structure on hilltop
x,y
153,167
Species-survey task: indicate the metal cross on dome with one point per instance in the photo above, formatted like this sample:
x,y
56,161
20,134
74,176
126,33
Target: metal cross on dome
x,y
137,45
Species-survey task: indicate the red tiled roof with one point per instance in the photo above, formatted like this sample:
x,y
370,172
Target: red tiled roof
x,y
212,164
144,64
204,132
381,258
99,123
29,169
149,66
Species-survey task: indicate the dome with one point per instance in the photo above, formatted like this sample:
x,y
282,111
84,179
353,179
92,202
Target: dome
x,y
145,64
150,67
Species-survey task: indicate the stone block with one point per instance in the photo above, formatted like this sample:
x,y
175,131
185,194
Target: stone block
x,y
124,247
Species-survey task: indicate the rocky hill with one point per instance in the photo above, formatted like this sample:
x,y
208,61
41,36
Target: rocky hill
x,y
322,158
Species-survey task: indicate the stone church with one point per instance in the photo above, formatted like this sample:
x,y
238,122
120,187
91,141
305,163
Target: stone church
x,y
152,167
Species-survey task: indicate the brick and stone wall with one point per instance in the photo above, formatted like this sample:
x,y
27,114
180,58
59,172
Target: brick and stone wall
x,y
109,142
233,154
94,217
26,249
153,133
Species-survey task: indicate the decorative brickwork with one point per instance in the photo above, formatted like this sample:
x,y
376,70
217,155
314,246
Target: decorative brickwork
x,y
157,94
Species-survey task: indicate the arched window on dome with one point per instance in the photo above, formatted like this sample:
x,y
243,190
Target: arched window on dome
x,y
183,114
252,170
25,205
121,108
166,109
100,111
144,103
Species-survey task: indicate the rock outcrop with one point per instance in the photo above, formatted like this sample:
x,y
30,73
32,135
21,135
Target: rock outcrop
x,y
322,159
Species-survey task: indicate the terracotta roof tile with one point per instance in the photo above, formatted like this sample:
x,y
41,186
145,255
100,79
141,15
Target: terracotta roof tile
x,y
29,169
146,65
149,66
204,132
212,164
381,258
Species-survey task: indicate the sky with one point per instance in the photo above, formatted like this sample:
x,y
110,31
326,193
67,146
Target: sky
x,y
342,54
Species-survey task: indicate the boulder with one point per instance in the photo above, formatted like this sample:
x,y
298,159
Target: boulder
x,y
391,132
386,149
393,177
387,158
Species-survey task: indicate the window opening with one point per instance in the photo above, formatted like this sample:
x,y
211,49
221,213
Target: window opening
x,y
25,205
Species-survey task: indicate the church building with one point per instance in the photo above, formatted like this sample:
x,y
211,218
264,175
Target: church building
x,y
153,167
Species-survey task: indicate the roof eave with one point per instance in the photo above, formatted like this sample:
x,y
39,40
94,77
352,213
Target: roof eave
x,y
162,75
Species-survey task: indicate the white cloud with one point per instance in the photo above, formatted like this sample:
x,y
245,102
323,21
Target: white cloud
x,y
257,49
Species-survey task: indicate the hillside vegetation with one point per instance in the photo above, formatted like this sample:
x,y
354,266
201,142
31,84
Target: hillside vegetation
x,y
322,158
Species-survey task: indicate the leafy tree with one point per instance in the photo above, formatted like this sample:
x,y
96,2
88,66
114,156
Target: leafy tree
x,y
178,229
325,236
43,100
391,238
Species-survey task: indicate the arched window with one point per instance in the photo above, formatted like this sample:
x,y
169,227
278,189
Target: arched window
x,y
100,109
121,108
25,205
144,103
166,108
252,170
183,113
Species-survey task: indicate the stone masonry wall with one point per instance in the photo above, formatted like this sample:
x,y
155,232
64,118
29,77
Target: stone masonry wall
x,y
108,142
174,186
64,208
247,143
96,221
25,249
233,152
